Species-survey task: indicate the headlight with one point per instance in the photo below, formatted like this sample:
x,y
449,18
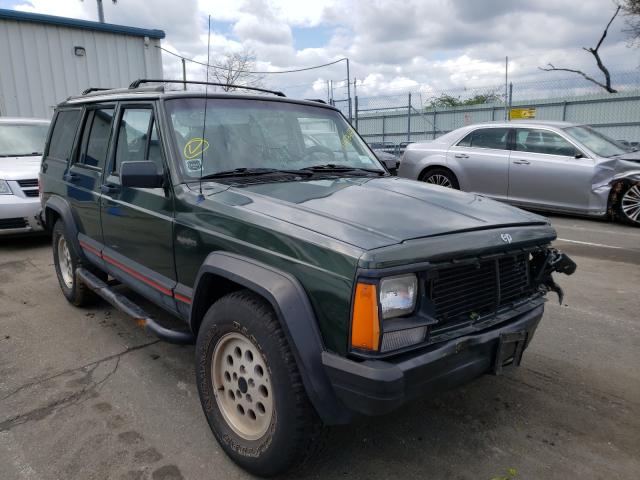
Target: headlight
x,y
4,188
398,295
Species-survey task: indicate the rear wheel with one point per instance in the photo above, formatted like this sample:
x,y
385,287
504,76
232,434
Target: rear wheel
x,y
629,204
441,177
250,388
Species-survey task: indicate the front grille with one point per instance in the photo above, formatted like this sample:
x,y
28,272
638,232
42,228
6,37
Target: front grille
x,y
6,223
469,292
33,182
31,193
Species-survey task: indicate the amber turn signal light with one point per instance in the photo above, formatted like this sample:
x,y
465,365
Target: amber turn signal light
x,y
365,325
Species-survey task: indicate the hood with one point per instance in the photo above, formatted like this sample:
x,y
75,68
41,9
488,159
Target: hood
x,y
19,168
630,157
376,212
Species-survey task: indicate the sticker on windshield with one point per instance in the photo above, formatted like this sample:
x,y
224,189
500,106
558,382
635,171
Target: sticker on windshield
x,y
193,165
195,148
346,138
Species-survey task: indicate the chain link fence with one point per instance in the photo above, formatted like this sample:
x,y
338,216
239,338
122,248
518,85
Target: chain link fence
x,y
391,121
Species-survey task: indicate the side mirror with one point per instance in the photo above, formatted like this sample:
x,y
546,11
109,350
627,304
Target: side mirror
x,y
143,174
579,155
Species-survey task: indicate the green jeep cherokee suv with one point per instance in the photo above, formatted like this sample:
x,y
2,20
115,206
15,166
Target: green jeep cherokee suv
x,y
315,286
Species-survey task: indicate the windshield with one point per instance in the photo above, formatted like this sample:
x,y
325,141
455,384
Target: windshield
x,y
22,140
262,134
598,143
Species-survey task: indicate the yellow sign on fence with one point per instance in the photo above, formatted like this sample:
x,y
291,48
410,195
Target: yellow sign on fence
x,y
522,113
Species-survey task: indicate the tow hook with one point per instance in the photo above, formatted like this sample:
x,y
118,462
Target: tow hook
x,y
545,263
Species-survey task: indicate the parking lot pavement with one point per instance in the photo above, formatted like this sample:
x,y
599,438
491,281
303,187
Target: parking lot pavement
x,y
84,394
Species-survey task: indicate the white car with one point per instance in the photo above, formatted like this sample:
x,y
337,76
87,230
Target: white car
x,y
21,144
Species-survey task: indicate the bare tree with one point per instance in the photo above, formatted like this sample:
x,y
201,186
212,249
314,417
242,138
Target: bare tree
x,y
594,51
631,9
236,70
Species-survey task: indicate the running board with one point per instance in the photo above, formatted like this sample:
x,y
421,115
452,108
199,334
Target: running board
x,y
125,305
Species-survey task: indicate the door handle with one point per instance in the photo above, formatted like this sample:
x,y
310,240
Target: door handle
x,y
109,188
70,177
521,162
461,155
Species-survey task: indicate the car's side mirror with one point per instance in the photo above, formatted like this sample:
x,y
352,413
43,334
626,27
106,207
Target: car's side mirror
x,y
579,155
144,174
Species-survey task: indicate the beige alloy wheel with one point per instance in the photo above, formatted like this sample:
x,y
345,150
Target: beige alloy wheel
x,y
242,386
64,260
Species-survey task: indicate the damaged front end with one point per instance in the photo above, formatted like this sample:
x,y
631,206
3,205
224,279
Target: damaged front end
x,y
544,263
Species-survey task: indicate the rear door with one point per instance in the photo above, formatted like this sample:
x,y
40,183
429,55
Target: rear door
x,y
544,171
84,176
137,223
481,161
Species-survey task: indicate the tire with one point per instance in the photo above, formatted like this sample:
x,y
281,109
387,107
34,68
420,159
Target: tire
x,y
258,409
66,263
628,207
441,177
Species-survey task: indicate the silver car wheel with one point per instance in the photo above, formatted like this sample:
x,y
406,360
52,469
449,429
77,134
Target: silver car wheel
x,y
64,261
242,386
438,179
631,204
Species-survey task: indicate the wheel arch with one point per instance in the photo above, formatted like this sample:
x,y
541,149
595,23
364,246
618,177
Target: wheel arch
x,y
57,208
225,272
429,168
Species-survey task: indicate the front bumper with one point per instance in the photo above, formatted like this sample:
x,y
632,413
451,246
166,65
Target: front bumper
x,y
19,215
375,387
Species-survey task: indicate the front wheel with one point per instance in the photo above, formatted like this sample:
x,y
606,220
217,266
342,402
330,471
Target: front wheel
x,y
629,205
441,177
250,388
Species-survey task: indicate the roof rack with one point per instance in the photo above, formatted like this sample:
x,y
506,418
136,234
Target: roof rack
x,y
136,84
95,89
318,100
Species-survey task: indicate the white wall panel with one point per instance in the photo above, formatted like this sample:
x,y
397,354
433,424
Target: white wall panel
x,y
38,67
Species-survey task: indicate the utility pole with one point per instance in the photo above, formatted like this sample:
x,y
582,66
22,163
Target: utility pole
x,y
184,75
506,88
349,91
101,9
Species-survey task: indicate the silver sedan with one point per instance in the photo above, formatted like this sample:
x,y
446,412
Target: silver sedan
x,y
555,166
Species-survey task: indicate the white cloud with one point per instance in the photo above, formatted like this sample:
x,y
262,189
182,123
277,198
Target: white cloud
x,y
393,45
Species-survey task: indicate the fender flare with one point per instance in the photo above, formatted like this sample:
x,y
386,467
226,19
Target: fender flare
x,y
63,209
297,319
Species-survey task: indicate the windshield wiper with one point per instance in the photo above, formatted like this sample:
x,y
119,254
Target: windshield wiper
x,y
331,168
246,172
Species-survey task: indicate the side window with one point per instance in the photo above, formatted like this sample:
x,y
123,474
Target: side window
x,y
543,141
495,138
95,137
64,132
138,138
466,141
133,136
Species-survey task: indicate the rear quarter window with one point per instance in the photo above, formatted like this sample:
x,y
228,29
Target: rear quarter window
x,y
494,138
63,134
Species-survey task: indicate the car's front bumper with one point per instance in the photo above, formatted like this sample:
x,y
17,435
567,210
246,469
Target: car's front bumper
x,y
19,215
374,387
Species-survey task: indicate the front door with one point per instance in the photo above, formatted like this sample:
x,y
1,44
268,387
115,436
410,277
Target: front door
x,y
137,223
548,170
481,160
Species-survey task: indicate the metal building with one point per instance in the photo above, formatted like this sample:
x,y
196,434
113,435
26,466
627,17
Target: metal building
x,y
45,59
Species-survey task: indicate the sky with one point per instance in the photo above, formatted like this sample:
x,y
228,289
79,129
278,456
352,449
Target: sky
x,y
394,46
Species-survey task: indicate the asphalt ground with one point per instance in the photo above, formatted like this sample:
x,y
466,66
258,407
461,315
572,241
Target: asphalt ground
x,y
85,394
